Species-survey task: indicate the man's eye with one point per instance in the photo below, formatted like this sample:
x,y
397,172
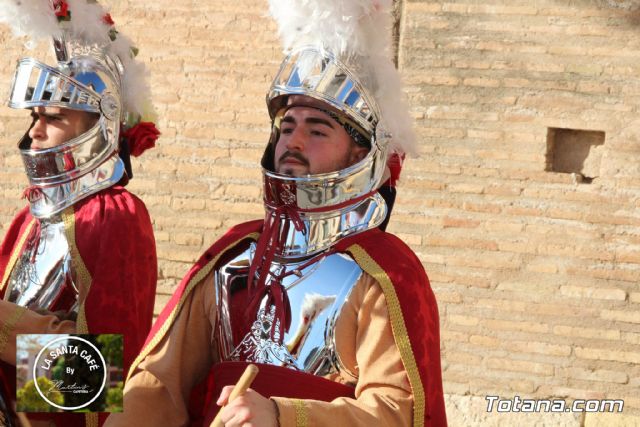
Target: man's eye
x,y
286,131
318,133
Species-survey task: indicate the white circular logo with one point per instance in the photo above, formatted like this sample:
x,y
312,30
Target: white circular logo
x,y
89,355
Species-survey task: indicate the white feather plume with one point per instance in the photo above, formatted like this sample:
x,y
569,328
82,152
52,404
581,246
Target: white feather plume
x,y
87,22
342,27
359,32
32,18
36,20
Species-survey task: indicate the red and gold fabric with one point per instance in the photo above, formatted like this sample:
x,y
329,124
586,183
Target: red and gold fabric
x,y
393,277
114,258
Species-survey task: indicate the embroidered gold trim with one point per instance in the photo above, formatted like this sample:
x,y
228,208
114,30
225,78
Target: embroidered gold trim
x,y
15,254
9,325
301,413
82,273
204,271
91,419
398,327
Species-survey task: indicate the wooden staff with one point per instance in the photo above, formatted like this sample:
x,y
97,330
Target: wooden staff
x,y
238,390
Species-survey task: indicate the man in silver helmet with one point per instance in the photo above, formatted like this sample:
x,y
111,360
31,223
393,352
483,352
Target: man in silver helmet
x,y
53,126
306,131
337,314
80,258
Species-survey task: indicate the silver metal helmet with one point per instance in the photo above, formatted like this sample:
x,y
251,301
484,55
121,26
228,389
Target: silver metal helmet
x,y
339,58
85,80
321,76
93,64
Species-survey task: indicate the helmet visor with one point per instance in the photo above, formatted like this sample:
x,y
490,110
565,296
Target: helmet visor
x,y
37,84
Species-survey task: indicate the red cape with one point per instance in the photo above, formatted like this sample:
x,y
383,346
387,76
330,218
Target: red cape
x,y
412,307
114,251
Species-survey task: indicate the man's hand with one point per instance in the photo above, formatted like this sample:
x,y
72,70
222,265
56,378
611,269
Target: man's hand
x,y
249,410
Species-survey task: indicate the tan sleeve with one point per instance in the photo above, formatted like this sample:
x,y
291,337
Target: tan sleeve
x,y
371,360
157,394
15,320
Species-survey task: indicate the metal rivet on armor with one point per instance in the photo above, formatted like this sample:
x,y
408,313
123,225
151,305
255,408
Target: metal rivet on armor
x,y
109,106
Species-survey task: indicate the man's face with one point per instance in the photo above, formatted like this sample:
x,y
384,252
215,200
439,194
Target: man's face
x,y
311,142
54,126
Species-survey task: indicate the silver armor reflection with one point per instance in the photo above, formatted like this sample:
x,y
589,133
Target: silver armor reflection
x,y
317,283
86,81
317,296
324,229
42,278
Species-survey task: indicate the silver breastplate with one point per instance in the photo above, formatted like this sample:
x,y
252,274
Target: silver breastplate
x,y
317,295
42,278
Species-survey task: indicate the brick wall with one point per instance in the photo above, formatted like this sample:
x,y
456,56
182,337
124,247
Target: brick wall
x,y
536,271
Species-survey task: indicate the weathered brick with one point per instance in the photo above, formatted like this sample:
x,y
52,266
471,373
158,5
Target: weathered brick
x,y
189,204
463,358
518,326
173,270
454,336
187,239
543,369
463,320
593,419
590,333
485,341
459,223
621,316
540,348
601,375
448,297
569,392
517,286
161,236
481,81
594,293
602,354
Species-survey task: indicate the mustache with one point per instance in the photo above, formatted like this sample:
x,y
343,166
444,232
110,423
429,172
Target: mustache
x,y
294,155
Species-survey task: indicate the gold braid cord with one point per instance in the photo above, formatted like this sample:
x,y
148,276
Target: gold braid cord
x,y
301,413
84,278
91,419
7,328
398,327
82,273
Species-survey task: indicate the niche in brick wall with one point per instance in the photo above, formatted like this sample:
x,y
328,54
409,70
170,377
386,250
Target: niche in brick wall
x,y
575,151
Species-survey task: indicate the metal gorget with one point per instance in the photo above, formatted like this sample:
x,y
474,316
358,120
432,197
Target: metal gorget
x,y
50,195
316,294
42,278
322,227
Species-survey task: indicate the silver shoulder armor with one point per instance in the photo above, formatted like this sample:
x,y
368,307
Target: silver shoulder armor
x,y
42,278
